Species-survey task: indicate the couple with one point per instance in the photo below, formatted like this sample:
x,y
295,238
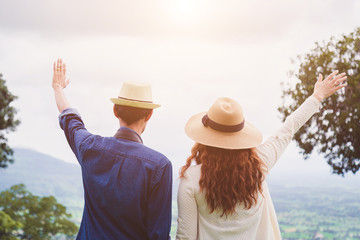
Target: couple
x,y
128,186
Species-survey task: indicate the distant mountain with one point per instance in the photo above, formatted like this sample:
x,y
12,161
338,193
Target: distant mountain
x,y
45,175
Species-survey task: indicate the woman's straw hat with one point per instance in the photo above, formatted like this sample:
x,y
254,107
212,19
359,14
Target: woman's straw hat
x,y
223,126
137,95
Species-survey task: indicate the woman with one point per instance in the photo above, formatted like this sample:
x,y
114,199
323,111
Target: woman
x,y
224,195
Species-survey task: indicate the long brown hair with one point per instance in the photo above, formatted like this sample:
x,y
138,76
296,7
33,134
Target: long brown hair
x,y
228,177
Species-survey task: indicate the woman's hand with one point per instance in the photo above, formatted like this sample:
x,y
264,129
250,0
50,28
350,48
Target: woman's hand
x,y
327,87
59,76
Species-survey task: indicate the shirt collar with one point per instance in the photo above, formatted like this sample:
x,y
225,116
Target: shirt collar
x,y
128,134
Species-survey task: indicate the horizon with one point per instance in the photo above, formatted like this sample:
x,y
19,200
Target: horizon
x,y
276,175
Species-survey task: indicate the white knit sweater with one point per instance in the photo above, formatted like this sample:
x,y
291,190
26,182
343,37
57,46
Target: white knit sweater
x,y
259,222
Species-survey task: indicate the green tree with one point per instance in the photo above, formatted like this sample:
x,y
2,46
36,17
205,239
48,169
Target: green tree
x,y
7,123
335,131
8,226
27,216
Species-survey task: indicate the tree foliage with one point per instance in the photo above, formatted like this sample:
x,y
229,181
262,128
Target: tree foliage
x,y
7,122
26,216
8,226
335,130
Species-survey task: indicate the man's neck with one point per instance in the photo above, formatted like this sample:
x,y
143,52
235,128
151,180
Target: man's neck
x,y
138,127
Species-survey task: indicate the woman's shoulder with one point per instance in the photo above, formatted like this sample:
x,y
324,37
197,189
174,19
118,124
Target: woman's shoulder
x,y
191,178
193,171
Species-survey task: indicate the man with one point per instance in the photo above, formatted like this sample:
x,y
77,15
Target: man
x,y
127,185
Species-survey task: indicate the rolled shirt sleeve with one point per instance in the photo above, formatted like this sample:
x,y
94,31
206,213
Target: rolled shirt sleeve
x,y
74,129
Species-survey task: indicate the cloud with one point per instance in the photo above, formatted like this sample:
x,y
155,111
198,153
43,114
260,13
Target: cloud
x,y
186,77
197,19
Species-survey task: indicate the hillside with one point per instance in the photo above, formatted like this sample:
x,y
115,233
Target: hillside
x,y
45,175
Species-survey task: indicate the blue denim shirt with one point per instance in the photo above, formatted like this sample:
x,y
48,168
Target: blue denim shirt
x,y
127,186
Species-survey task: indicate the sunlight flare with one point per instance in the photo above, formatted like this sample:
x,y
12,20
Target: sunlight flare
x,y
186,10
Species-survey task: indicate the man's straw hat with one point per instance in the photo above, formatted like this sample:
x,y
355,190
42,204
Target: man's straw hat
x,y
137,95
223,126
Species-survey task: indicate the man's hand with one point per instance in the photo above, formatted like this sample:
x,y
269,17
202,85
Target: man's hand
x,y
60,82
59,76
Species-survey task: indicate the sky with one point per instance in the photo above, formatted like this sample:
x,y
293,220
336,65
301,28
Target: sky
x,y
190,51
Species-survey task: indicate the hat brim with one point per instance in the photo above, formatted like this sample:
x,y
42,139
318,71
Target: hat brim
x,y
248,137
129,103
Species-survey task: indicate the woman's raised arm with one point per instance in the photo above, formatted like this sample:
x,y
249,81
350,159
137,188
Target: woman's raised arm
x,y
271,150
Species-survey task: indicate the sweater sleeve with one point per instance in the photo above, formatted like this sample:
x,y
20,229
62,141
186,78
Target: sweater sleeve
x,y
187,210
271,150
